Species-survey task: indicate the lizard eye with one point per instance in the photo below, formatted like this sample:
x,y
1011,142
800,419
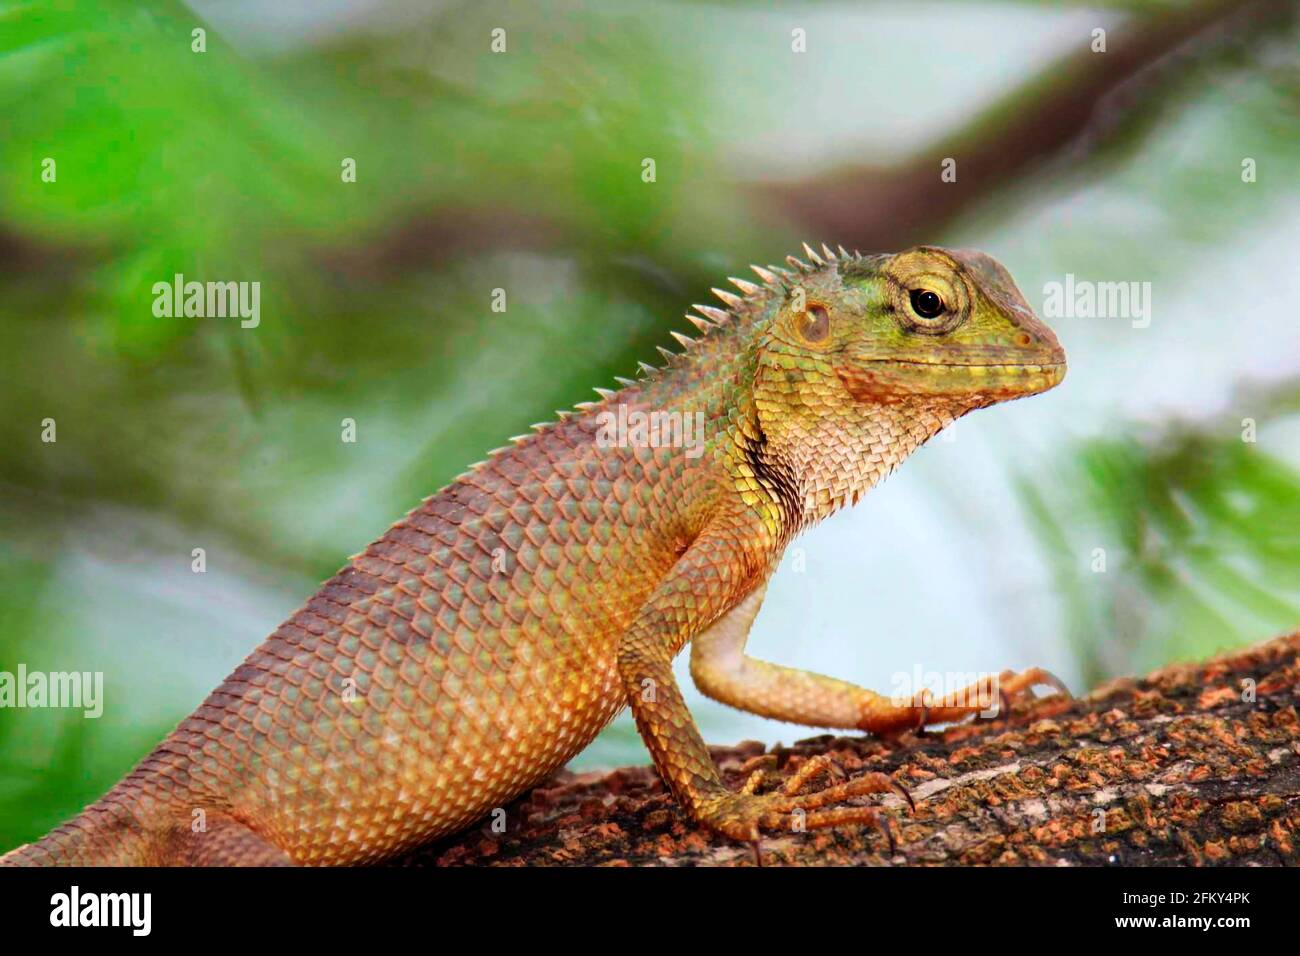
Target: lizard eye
x,y
815,323
928,295
927,304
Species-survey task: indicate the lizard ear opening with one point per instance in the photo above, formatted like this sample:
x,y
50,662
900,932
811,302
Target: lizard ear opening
x,y
813,324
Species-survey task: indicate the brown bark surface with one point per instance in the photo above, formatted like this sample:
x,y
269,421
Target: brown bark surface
x,y
1193,765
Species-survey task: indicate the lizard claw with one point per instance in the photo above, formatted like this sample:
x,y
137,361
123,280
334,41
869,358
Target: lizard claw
x,y
746,816
1012,685
899,788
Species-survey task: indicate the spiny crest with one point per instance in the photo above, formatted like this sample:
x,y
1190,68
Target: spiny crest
x,y
816,262
707,319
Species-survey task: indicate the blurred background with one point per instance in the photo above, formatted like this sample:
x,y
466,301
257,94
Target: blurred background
x,y
522,170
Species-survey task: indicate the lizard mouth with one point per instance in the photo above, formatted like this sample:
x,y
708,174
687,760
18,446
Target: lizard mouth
x,y
893,380
997,366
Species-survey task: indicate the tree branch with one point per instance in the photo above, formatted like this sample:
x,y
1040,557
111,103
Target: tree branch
x,y
1173,769
874,208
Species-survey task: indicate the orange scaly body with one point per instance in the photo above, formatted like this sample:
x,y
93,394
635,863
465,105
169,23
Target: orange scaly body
x,y
490,634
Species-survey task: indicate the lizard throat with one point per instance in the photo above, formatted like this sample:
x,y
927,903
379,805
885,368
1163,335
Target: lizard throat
x,y
847,458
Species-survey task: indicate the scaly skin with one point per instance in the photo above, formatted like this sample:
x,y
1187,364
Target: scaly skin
x,y
490,634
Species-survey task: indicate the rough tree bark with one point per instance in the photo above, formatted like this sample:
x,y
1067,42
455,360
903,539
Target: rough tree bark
x,y
1195,764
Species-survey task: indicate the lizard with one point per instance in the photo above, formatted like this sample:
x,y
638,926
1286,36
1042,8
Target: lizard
x,y
487,637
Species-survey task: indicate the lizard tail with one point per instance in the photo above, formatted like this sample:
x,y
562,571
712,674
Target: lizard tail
x,y
96,837
149,819
108,834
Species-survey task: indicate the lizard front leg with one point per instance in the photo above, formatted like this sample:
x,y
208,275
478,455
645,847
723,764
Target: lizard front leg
x,y
722,671
698,590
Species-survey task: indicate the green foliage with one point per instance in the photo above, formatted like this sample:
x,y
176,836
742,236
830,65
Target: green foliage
x,y
373,307
1177,544
478,171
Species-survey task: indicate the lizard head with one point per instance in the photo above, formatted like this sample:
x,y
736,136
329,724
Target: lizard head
x,y
862,358
927,323
934,322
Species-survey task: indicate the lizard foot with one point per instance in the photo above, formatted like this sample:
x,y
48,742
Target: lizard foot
x,y
746,815
1013,685
978,698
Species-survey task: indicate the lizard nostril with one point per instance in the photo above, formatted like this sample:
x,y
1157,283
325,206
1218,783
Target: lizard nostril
x,y
1024,339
